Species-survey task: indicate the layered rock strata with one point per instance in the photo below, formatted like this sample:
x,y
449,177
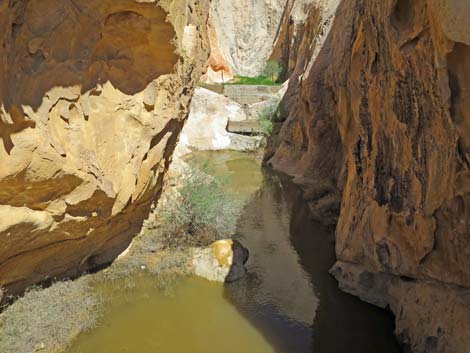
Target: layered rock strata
x,y
93,95
377,134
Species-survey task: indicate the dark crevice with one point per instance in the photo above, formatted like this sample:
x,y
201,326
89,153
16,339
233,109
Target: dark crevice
x,y
411,44
402,14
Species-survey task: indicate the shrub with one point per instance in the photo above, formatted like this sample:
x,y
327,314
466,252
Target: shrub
x,y
204,212
272,70
267,126
268,116
258,80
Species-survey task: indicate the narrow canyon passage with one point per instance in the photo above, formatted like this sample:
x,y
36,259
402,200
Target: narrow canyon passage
x,y
287,303
237,176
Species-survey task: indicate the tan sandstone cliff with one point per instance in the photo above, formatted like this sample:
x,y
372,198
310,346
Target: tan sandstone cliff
x,y
93,95
377,133
244,32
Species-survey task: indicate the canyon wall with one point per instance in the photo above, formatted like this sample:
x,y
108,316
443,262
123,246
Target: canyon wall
x,y
93,95
378,136
297,149
304,27
245,31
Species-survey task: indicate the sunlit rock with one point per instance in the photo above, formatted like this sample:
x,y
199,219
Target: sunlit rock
x,y
245,32
206,129
377,135
222,261
93,95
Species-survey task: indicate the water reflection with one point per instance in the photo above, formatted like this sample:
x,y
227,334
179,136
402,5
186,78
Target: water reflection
x,y
289,295
190,316
244,170
277,296
343,323
288,303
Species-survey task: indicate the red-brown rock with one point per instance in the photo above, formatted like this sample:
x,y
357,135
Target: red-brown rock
x,y
378,135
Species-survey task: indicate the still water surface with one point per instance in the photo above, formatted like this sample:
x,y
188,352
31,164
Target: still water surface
x,y
288,303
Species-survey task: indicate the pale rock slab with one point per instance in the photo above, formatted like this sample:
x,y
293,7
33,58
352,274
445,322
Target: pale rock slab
x,y
213,263
206,128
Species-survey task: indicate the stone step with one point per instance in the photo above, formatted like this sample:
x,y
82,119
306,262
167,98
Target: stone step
x,y
250,94
244,127
244,94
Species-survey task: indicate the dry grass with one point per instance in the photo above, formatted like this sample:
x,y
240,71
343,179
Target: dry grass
x,y
47,320
204,212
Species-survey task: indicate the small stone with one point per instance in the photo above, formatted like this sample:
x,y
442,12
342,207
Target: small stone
x,y
39,347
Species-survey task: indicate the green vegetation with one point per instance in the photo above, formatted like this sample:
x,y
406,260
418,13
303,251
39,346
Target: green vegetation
x,y
269,77
49,319
268,116
258,80
273,70
204,212
267,126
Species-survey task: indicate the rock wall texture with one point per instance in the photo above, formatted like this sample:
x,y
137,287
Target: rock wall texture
x,y
245,32
297,150
304,27
93,95
218,70
206,128
227,121
377,133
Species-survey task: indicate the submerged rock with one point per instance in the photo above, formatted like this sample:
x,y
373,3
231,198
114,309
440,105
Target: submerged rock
x,y
222,261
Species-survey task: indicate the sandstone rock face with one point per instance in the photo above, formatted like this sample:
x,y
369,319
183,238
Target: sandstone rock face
x,y
298,149
246,31
206,129
218,70
378,135
222,261
212,114
93,95
304,27
430,317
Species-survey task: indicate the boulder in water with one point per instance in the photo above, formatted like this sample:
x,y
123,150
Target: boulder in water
x,y
222,261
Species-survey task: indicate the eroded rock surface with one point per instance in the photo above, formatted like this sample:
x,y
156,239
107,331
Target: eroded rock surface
x,y
206,129
245,32
93,95
298,149
377,134
218,71
218,122
304,27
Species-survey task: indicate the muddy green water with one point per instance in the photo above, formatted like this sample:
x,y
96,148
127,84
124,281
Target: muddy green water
x,y
288,303
191,316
